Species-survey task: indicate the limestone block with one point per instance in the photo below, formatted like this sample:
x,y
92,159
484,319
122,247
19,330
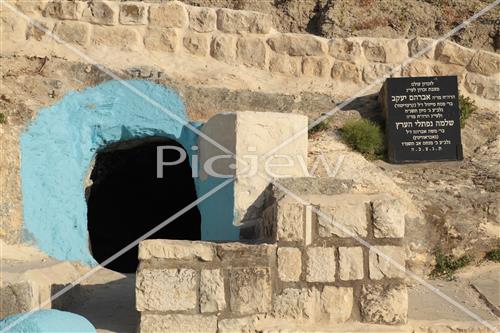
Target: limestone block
x,y
101,12
196,43
168,15
12,28
17,298
250,290
446,69
202,19
176,249
123,38
422,48
316,66
296,304
372,72
381,268
280,63
345,49
212,291
290,221
235,21
485,63
297,45
487,87
418,68
73,32
175,323
30,7
345,71
452,53
133,13
351,263
232,325
385,50
165,40
64,10
289,264
337,303
384,304
251,51
388,218
350,215
37,30
235,251
166,290
223,48
320,264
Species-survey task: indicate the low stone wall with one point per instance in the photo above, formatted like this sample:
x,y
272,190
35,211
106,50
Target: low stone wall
x,y
243,38
312,272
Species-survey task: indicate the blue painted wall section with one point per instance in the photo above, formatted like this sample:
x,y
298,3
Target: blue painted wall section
x,y
59,145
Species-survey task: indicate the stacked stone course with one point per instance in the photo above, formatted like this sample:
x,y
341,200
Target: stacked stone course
x,y
243,38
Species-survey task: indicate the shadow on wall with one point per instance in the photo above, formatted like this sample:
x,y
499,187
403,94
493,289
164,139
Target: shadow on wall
x,y
60,143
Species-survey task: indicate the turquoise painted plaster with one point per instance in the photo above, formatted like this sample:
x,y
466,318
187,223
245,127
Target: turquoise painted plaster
x,y
59,145
47,321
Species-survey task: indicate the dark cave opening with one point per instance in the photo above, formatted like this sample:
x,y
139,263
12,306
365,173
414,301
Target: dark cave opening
x,y
127,199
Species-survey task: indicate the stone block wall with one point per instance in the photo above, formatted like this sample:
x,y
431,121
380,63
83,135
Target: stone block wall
x,y
243,38
310,271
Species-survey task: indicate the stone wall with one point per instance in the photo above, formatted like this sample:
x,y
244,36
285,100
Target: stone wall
x,y
242,38
309,272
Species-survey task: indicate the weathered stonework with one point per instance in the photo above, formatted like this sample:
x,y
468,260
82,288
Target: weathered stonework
x,y
64,10
320,264
345,49
100,12
250,290
348,216
168,15
73,32
165,40
223,48
384,304
212,291
251,52
351,263
197,44
345,71
316,66
297,45
174,323
179,250
297,304
485,63
381,268
290,222
234,21
289,264
202,19
122,38
421,47
451,53
388,218
487,87
337,303
133,14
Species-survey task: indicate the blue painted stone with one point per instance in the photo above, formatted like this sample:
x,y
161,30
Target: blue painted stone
x,y
58,146
47,321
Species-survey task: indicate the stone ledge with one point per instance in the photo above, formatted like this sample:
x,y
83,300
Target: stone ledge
x,y
176,249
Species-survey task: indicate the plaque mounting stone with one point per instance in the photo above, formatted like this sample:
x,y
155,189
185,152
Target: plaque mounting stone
x,y
422,119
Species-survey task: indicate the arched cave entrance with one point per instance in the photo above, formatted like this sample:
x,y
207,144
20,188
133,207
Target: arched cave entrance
x,y
126,200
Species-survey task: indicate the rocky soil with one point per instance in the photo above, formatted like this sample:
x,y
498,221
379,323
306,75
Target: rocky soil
x,y
376,18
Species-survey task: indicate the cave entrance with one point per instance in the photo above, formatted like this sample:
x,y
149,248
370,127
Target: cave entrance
x,y
126,200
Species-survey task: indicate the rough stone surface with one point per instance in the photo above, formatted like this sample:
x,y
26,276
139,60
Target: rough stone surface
x,y
352,216
388,218
166,290
417,68
451,53
250,290
133,14
212,291
336,303
385,50
73,32
296,304
320,264
196,43
418,45
485,63
168,15
316,66
174,323
345,71
290,222
176,249
384,304
234,251
223,48
232,325
344,49
99,12
123,38
280,63
165,40
297,45
233,21
381,268
64,10
202,19
289,264
487,87
17,298
351,263
251,52
372,72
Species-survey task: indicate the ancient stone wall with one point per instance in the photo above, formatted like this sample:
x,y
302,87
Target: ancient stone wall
x,y
309,272
243,38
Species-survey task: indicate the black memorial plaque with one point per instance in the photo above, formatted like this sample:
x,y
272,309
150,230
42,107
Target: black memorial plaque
x,y
422,119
